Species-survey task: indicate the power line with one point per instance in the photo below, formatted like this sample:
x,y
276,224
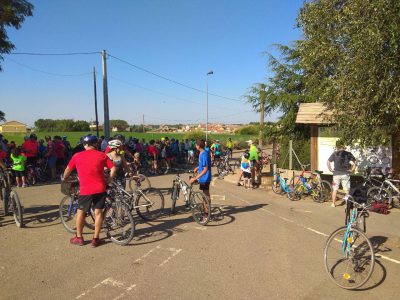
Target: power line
x,y
54,54
164,94
171,80
45,72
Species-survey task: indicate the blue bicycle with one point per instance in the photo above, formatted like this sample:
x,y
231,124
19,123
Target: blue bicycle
x,y
281,185
349,255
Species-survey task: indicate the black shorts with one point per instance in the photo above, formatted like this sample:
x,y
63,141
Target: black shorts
x,y
19,173
254,162
247,175
85,201
31,160
204,186
217,156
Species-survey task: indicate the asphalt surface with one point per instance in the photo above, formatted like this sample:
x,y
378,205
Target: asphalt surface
x,y
262,246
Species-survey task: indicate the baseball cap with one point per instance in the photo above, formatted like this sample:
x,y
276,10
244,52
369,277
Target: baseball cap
x,y
249,142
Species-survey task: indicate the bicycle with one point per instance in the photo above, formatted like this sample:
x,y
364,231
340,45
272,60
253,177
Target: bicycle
x,y
118,220
348,252
138,181
10,200
223,166
315,182
280,185
197,202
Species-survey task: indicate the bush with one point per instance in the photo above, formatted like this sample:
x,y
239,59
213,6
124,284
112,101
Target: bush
x,y
302,149
195,135
249,130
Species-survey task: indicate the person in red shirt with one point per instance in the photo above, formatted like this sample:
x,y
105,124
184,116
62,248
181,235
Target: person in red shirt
x,y
90,166
59,149
31,149
153,153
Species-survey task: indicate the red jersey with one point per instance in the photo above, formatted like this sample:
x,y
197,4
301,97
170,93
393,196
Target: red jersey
x,y
3,154
31,148
59,148
152,150
90,165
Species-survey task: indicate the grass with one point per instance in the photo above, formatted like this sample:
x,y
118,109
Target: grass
x,y
73,137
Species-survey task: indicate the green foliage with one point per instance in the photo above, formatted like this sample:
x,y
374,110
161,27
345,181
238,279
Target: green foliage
x,y
249,130
122,125
195,135
62,125
2,116
12,13
350,55
302,148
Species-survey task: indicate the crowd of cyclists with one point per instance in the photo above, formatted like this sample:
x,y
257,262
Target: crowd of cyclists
x,y
45,159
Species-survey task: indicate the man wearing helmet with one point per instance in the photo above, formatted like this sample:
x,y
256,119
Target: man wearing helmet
x,y
90,166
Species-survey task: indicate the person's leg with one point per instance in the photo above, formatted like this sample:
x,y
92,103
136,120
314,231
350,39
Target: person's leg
x,y
23,180
240,177
17,180
335,187
98,221
80,222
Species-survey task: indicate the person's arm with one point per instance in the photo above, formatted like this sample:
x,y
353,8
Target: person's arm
x,y
113,172
328,163
198,176
67,173
2,164
125,166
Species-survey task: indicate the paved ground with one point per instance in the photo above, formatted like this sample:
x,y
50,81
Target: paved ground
x,y
263,246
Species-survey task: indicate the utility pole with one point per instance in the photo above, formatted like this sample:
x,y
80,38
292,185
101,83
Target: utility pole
x,y
105,97
95,101
143,124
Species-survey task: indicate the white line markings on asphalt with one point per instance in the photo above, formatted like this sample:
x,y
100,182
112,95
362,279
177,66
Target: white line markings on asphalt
x,y
218,198
175,252
213,181
201,228
311,229
109,281
147,254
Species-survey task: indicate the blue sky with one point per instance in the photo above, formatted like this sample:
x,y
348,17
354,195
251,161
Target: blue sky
x,y
180,40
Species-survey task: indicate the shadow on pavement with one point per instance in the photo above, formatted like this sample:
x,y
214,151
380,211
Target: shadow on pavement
x,y
41,216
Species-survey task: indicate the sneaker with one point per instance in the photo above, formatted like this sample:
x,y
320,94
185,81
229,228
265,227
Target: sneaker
x,y
333,205
24,185
238,184
76,241
95,242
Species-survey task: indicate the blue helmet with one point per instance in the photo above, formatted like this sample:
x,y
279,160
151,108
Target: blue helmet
x,y
90,139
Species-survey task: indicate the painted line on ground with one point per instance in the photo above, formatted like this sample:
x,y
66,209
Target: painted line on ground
x,y
310,229
175,252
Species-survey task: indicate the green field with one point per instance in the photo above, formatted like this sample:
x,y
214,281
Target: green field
x,y
73,137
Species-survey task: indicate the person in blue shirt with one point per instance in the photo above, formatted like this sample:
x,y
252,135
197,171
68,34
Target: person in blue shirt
x,y
204,169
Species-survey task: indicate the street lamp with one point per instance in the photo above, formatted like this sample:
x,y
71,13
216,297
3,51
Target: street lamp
x,y
209,73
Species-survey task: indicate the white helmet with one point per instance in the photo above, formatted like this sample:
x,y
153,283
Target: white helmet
x,y
114,144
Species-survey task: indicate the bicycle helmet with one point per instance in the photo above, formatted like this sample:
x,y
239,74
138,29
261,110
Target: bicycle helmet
x,y
114,144
90,140
33,136
246,155
119,137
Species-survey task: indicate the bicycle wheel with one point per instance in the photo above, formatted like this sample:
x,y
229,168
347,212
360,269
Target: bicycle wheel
x,y
174,197
67,209
15,206
316,195
201,208
294,192
119,223
143,182
378,194
349,258
149,204
276,187
326,190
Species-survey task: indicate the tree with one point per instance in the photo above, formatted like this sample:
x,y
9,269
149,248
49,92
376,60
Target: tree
x,y
258,96
12,13
350,55
2,116
122,125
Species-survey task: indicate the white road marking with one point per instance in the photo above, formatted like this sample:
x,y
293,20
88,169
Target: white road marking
x,y
201,228
311,229
213,181
175,252
218,198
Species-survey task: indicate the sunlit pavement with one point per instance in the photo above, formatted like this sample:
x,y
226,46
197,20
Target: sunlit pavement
x,y
259,246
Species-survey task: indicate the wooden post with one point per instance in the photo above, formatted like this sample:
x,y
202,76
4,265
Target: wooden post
x,y
396,152
314,147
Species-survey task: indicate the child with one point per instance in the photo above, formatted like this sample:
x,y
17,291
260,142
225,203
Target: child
x,y
245,166
18,166
136,163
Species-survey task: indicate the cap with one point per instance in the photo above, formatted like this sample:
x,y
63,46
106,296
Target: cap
x,y
249,142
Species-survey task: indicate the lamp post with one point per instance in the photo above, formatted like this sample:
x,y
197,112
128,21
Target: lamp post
x,y
209,73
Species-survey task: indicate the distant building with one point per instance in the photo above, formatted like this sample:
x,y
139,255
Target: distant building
x,y
13,126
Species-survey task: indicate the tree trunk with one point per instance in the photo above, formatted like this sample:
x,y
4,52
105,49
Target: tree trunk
x,y
262,112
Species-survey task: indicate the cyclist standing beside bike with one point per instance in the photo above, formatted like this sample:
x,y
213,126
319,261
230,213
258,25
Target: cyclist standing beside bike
x,y
203,170
343,163
90,166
